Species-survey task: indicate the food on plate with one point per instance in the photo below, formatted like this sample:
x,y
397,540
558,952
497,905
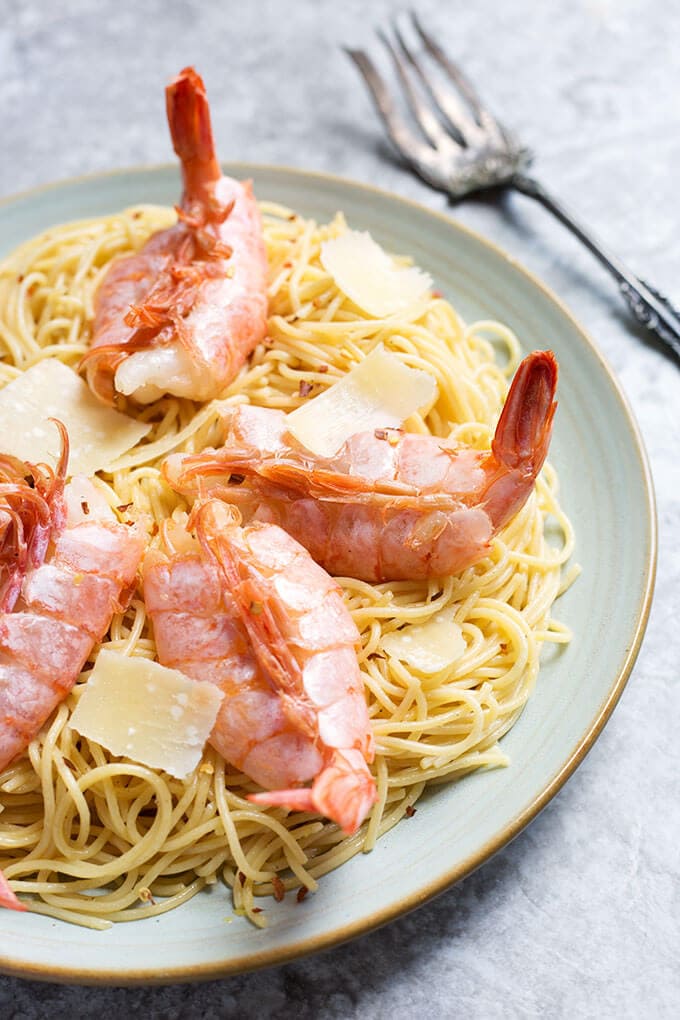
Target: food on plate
x,y
446,662
248,609
377,393
115,711
49,389
183,314
367,274
390,506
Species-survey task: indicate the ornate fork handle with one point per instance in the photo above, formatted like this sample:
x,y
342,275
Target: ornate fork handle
x,y
651,308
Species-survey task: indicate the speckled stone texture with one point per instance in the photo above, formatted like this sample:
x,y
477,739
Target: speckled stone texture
x,y
580,916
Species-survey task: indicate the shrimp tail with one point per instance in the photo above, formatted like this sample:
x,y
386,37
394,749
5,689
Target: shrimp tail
x,y
191,131
524,428
522,437
8,898
343,791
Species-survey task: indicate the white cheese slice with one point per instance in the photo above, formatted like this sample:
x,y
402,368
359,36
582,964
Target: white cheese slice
x,y
427,647
49,389
379,392
139,709
369,277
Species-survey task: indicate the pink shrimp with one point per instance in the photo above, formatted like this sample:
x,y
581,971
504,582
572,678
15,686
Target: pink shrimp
x,y
247,609
389,505
182,315
78,570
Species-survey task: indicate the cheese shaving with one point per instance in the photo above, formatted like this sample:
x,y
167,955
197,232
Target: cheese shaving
x,y
427,647
379,392
370,277
49,389
141,710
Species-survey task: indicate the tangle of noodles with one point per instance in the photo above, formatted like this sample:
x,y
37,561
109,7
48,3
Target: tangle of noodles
x,y
75,820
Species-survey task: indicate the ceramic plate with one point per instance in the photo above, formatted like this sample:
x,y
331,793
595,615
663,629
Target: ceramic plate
x,y
606,489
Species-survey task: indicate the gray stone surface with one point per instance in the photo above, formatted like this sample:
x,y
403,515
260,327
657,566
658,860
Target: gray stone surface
x,y
580,916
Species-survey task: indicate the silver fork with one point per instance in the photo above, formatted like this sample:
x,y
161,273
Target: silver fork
x,y
464,149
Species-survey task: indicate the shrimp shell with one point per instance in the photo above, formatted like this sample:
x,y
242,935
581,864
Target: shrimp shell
x,y
270,628
390,505
183,314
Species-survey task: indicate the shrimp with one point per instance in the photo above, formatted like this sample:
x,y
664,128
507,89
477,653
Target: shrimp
x,y
64,607
389,505
66,565
182,315
248,610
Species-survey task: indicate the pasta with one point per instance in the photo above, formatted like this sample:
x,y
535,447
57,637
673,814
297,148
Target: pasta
x,y
95,839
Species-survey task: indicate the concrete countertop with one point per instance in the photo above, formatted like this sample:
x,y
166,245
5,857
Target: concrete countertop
x,y
580,915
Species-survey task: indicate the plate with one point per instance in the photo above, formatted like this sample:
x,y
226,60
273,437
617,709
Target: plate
x,y
607,491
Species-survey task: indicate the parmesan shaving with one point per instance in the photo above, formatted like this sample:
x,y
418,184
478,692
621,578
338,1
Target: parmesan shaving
x,y
141,710
379,392
369,277
49,389
427,647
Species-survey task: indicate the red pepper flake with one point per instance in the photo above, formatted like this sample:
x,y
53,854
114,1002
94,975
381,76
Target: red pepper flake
x,y
437,294
124,507
257,910
410,811
235,479
504,646
322,369
279,888
287,265
20,279
32,289
292,217
85,506
137,215
154,529
301,893
241,877
305,388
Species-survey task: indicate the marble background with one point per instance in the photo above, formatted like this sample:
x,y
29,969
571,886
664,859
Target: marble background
x,y
580,916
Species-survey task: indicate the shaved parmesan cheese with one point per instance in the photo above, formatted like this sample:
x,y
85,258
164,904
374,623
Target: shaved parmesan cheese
x,y
139,709
427,647
369,277
380,392
49,389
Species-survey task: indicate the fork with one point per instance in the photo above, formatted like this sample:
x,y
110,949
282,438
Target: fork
x,y
464,149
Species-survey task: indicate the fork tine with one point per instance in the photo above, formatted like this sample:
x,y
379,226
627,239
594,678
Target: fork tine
x,y
485,118
421,157
453,112
427,121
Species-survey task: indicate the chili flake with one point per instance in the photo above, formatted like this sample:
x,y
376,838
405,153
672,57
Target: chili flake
x,y
279,888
